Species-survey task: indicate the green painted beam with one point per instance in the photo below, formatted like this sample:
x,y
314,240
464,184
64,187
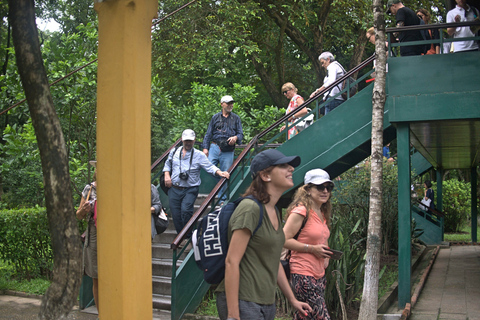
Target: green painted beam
x,y
434,87
420,165
404,215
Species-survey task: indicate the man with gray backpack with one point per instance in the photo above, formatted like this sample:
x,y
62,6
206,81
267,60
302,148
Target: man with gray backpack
x,y
334,72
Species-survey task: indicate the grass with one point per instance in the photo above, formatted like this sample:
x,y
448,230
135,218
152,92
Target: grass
x,y
8,281
465,235
208,306
390,275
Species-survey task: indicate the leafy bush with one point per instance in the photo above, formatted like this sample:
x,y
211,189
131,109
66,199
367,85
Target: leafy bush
x,y
348,270
351,203
456,204
25,242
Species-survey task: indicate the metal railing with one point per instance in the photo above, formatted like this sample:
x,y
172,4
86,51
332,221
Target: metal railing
x,y
441,41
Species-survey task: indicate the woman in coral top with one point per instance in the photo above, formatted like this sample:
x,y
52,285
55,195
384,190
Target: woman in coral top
x,y
290,92
309,216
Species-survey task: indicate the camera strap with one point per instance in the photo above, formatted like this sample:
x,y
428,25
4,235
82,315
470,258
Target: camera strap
x,y
180,158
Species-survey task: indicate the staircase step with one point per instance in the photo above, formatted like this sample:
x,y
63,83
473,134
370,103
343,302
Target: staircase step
x,y
161,302
161,314
162,264
163,267
167,237
161,285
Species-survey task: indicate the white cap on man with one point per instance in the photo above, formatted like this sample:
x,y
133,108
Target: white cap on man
x,y
227,99
188,134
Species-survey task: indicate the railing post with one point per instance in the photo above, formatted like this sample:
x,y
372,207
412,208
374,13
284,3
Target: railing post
x,y
404,215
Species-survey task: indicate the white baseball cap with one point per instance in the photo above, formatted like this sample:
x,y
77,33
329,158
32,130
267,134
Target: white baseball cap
x,y
317,177
188,134
227,99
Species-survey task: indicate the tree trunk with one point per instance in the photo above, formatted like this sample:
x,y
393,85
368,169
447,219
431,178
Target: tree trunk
x,y
272,90
62,294
368,307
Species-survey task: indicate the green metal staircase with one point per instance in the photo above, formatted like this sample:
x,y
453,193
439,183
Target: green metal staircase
x,y
338,142
335,142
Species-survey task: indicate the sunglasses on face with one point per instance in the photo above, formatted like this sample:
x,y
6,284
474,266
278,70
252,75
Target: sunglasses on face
x,y
322,187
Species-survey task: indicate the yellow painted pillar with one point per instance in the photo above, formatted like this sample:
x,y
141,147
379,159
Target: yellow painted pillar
x,y
123,154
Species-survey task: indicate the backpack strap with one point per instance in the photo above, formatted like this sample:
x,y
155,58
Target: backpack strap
x,y
303,224
260,220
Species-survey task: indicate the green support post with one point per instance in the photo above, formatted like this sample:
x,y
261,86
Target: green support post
x,y
439,197
474,203
404,214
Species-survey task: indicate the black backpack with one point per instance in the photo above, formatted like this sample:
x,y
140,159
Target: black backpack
x,y
210,240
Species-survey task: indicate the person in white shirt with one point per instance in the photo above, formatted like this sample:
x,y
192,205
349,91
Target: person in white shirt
x,y
462,12
334,71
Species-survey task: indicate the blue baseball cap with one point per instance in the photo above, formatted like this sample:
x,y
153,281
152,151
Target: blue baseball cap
x,y
271,157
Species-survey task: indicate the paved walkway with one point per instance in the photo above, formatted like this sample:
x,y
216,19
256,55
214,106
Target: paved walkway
x,y
452,289
27,308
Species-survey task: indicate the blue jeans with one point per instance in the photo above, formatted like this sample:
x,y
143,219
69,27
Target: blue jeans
x,y
223,160
181,206
332,104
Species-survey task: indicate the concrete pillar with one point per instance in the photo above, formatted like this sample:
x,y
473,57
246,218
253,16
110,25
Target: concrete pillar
x,y
404,214
123,154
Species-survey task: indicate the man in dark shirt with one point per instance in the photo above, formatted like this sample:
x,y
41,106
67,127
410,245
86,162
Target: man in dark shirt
x,y
406,17
224,131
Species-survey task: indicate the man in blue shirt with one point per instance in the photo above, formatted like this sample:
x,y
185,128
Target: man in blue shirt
x,y
182,176
224,131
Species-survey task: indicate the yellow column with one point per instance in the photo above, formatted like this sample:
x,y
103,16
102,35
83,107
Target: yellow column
x,y
123,154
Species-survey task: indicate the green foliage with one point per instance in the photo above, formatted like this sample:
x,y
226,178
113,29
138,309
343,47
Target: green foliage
x,y
351,202
208,306
204,102
20,167
464,235
25,242
21,177
348,270
8,281
387,277
456,204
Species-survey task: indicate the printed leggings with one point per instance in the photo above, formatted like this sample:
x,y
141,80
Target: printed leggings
x,y
310,290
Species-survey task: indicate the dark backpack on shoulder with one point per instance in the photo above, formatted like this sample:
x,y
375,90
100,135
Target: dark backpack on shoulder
x,y
210,240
